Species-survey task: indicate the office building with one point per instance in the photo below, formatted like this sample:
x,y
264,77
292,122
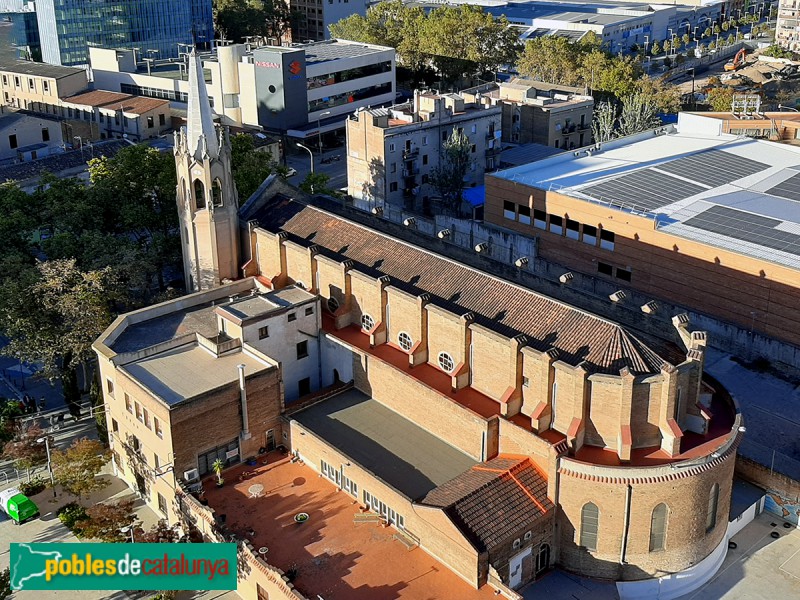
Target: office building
x,y
302,90
315,16
66,29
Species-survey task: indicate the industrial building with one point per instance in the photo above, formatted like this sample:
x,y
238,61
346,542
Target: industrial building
x,y
688,214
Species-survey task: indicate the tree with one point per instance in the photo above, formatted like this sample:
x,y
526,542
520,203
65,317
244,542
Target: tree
x,y
655,49
8,419
317,183
25,450
726,26
77,467
448,176
250,167
638,114
686,38
106,520
160,533
552,59
603,122
720,99
54,320
5,584
707,32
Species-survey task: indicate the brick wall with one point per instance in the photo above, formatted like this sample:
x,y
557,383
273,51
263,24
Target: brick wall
x,y
494,362
687,542
446,333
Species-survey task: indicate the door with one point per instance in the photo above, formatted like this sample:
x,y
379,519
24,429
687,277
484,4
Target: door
x,y
270,440
515,569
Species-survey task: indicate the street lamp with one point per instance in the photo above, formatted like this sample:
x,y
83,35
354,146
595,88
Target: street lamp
x,y
671,37
310,154
128,528
319,130
46,442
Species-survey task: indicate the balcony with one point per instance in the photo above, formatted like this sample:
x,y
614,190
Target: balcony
x,y
411,171
410,153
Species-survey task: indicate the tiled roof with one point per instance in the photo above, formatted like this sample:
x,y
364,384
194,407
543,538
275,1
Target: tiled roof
x,y
494,500
130,104
579,337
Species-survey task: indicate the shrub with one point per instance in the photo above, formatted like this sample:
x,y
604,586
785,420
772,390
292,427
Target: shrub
x,y
33,487
71,513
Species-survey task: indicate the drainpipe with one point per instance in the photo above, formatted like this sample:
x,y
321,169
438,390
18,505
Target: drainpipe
x,y
243,396
623,552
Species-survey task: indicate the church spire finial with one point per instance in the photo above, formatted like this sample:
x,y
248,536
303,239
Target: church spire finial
x,y
200,121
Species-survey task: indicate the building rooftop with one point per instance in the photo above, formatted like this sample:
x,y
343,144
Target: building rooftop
x,y
394,449
318,52
578,336
115,100
258,306
195,319
728,191
190,370
333,557
493,500
38,69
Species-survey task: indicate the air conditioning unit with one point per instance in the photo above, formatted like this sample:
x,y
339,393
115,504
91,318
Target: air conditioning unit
x,y
191,475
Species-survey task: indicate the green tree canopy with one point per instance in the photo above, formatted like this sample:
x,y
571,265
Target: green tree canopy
x,y
77,467
448,176
239,19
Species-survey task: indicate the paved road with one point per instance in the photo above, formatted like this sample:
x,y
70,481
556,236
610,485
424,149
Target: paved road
x,y
337,170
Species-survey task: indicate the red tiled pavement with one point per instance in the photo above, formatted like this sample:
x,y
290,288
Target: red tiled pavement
x,y
334,557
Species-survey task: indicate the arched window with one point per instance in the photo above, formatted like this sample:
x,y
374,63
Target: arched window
x,y
711,513
590,520
199,194
543,558
405,341
367,322
658,527
216,192
182,190
446,362
333,304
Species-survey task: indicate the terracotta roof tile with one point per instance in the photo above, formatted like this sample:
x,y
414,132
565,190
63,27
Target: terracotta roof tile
x,y
579,336
494,500
105,99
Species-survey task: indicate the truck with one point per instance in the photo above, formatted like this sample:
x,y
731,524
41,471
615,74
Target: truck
x,y
18,506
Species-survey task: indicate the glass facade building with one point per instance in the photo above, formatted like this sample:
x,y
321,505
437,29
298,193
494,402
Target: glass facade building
x,y
67,28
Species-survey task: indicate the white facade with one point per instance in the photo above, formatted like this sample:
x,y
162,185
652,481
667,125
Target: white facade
x,y
787,30
24,138
231,82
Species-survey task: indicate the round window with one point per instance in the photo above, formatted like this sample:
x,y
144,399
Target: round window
x,y
405,341
271,89
446,362
333,305
367,322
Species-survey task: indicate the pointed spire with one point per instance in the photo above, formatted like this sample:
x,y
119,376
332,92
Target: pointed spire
x,y
200,121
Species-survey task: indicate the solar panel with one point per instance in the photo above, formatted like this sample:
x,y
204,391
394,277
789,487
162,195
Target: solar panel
x,y
644,190
746,227
713,167
789,189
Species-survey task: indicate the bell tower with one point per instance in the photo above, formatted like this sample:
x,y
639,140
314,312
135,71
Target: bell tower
x,y
208,206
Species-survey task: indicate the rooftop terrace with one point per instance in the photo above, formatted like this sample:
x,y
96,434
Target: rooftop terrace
x,y
334,557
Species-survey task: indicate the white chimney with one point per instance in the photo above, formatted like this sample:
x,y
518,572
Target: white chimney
x,y
243,397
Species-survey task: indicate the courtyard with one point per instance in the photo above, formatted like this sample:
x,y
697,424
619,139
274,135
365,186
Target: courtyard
x,y
329,554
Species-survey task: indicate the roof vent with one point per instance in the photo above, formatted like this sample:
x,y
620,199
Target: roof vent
x,y
649,308
521,262
618,296
566,277
410,222
482,247
377,211
444,233
680,320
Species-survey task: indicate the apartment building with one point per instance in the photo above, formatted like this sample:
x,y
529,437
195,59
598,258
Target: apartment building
x,y
787,27
301,90
391,152
543,113
315,16
24,83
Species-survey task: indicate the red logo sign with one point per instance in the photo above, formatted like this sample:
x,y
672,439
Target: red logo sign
x,y
295,67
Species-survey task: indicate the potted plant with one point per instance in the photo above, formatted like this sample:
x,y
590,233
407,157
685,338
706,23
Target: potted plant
x,y
217,467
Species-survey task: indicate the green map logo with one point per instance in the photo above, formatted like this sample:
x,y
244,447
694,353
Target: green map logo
x,y
98,566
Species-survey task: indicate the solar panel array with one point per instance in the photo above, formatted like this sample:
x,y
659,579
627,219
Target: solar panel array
x,y
789,189
713,167
746,227
645,190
